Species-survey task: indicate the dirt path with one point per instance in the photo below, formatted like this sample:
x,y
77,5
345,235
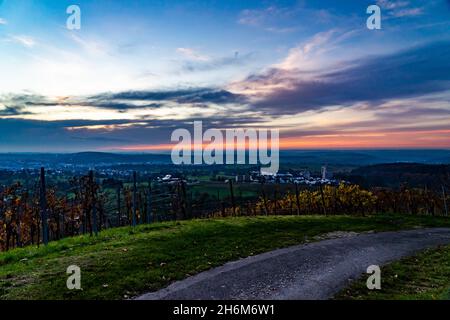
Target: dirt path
x,y
311,271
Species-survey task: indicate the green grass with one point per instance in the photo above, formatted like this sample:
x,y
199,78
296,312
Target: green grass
x,y
124,262
425,276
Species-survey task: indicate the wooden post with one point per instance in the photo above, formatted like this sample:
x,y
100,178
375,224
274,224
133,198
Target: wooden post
x,y
149,202
275,194
93,203
223,209
291,206
119,209
240,201
445,201
63,229
266,210
18,231
230,181
84,221
335,200
323,199
427,196
297,198
179,215
141,207
43,203
191,214
133,220
183,197
1,204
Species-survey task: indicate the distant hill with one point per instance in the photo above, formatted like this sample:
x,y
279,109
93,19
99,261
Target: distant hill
x,y
395,174
33,160
103,157
350,158
366,157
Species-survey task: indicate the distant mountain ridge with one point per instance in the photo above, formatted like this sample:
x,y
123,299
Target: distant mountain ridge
x,y
331,157
8,160
368,157
99,157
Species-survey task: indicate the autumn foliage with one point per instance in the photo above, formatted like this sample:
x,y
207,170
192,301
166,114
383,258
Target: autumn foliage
x,y
84,208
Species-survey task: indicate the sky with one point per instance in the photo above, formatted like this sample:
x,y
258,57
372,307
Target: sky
x,y
137,70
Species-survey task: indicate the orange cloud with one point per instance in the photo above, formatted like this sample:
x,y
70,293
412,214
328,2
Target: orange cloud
x,y
361,140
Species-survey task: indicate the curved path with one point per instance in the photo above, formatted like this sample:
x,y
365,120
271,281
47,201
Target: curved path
x,y
316,270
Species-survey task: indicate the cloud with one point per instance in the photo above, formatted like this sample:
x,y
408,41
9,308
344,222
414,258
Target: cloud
x,y
408,12
197,62
18,104
255,17
400,9
130,110
192,54
412,119
413,72
76,135
124,102
30,135
121,106
196,95
301,56
24,40
271,19
12,111
92,47
19,101
218,63
3,21
390,5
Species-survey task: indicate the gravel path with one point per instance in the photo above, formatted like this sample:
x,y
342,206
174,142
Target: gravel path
x,y
316,270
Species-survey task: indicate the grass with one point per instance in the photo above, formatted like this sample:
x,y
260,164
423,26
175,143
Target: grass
x,y
123,262
425,276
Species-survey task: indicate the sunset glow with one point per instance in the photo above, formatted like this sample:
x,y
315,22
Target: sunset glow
x,y
128,78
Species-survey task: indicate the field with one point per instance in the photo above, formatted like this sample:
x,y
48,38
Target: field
x,y
123,262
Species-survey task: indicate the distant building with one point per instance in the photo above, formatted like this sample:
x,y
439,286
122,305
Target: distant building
x,y
284,177
326,175
243,178
306,174
168,179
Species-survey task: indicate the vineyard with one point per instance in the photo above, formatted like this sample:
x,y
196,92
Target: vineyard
x,y
35,216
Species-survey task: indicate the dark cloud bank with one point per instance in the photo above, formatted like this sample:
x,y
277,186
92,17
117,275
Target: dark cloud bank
x,y
414,72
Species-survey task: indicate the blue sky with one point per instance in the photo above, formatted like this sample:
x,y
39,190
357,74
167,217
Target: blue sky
x,y
136,70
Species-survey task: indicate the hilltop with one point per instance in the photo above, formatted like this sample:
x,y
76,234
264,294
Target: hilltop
x,y
349,158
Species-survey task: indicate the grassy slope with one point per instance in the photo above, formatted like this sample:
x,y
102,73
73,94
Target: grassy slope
x,y
123,262
424,276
